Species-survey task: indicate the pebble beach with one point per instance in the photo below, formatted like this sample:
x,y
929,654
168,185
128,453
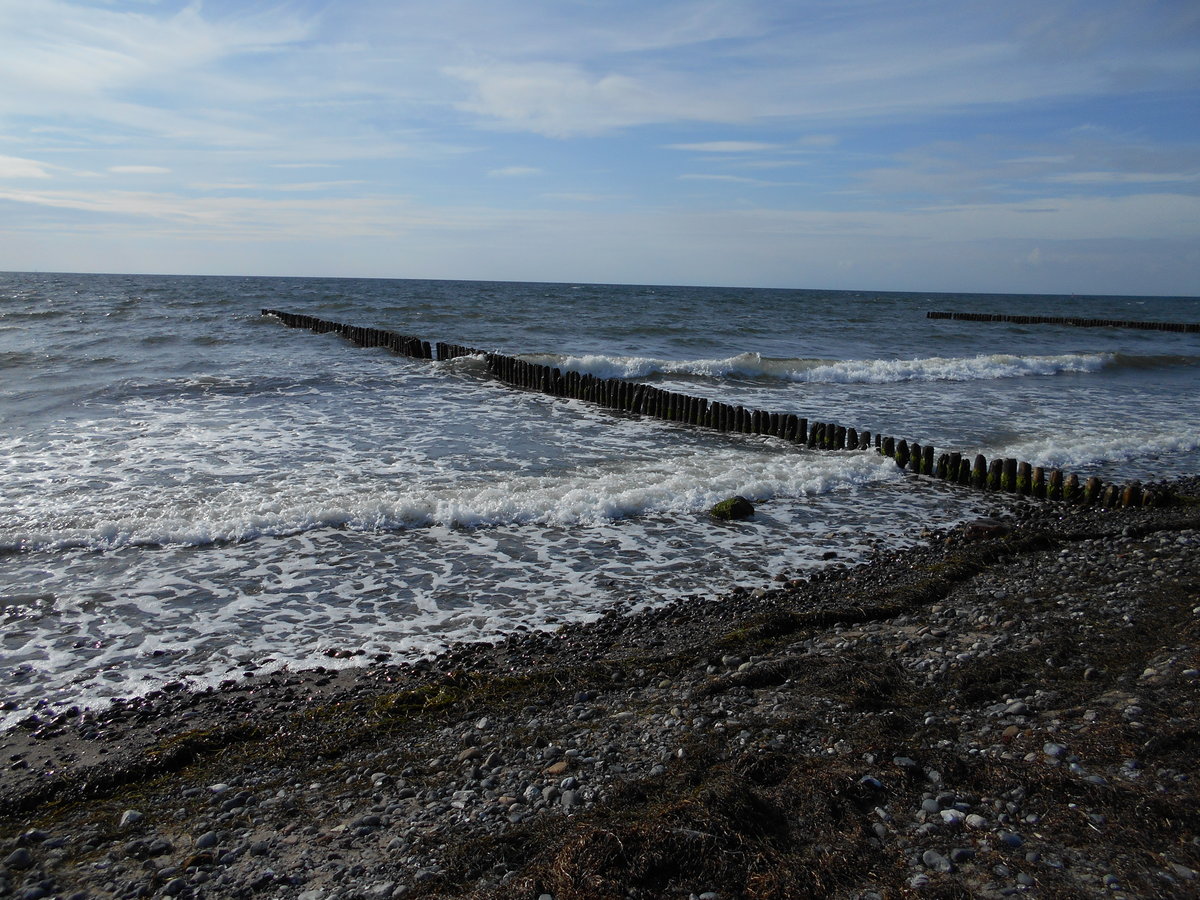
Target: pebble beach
x,y
1007,709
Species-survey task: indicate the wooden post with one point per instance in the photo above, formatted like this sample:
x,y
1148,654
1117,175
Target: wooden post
x,y
1091,490
915,455
942,470
954,466
1024,478
1131,495
1054,487
902,454
995,475
1008,477
1039,482
1071,491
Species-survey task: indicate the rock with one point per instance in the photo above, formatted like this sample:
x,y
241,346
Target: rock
x,y
207,841
18,859
983,529
952,816
734,508
936,861
130,817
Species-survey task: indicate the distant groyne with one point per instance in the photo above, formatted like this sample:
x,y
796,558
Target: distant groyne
x,y
918,457
1191,327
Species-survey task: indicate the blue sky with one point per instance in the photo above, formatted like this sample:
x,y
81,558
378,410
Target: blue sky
x,y
1020,146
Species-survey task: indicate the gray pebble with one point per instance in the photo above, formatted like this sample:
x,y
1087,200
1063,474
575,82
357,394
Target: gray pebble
x,y
936,861
130,817
18,859
207,841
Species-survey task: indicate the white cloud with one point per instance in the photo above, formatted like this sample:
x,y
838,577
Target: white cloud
x,y
515,172
725,147
16,167
1125,178
736,179
139,170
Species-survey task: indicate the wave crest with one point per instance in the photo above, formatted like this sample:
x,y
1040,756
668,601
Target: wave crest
x,y
816,371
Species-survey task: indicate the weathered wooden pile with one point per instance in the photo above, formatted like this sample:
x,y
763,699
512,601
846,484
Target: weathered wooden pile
x,y
1192,327
1009,475
404,344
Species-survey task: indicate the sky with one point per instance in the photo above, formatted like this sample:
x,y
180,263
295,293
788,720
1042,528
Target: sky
x,y
1031,147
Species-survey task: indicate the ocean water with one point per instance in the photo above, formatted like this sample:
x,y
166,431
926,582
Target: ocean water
x,y
192,491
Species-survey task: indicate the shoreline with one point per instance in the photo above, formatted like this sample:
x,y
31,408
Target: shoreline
x,y
1006,709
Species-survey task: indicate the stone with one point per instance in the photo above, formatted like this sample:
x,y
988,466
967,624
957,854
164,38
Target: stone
x,y
936,861
952,816
733,508
130,817
983,529
19,859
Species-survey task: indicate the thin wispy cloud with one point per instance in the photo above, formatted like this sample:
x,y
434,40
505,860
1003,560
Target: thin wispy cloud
x,y
15,167
725,147
515,172
916,127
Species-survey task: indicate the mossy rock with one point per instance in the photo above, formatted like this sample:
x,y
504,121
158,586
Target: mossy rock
x,y
733,508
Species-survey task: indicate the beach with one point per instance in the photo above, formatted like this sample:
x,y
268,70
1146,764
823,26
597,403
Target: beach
x,y
1007,707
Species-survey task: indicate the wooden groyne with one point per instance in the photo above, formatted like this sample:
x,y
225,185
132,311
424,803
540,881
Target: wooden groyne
x,y
403,344
1190,327
1004,475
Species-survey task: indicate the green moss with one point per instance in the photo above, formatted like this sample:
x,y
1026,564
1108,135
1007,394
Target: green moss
x,y
733,508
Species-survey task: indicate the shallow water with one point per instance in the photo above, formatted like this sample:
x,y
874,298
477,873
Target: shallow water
x,y
192,489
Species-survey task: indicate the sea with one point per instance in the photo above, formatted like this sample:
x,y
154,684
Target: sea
x,y
191,492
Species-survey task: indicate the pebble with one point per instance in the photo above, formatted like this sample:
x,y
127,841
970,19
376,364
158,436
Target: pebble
x,y
936,861
19,859
130,817
953,816
375,813
207,841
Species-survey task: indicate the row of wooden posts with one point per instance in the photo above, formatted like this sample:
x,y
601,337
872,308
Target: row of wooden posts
x,y
1192,327
404,344
1008,475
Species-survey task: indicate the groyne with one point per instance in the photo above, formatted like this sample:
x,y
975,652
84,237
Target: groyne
x,y
1190,327
920,458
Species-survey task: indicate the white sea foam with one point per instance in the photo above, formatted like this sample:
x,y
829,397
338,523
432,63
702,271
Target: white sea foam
x,y
619,488
123,622
1076,446
867,371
